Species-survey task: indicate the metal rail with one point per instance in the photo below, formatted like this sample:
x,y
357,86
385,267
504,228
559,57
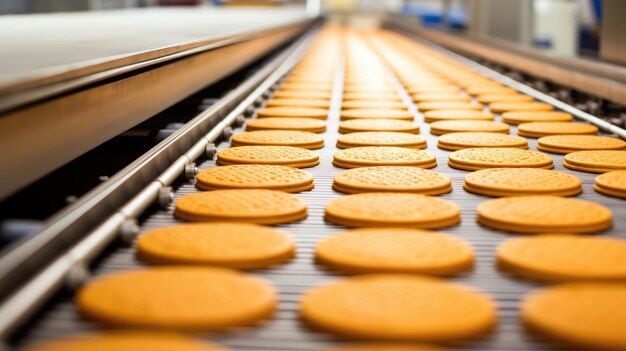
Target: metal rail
x,y
70,269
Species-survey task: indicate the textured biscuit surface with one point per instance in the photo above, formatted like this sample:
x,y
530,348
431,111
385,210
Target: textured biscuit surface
x,y
491,98
317,103
375,104
392,179
399,250
480,158
378,125
538,129
596,161
500,107
303,124
518,117
522,181
445,105
297,138
381,139
383,156
464,140
588,315
452,126
128,341
398,307
301,112
443,115
302,95
271,177
612,184
562,257
564,144
233,245
160,298
241,205
268,155
544,213
392,209
376,114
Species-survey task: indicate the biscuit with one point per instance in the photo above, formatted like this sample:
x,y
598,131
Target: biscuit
x,y
486,89
437,89
371,96
465,140
395,250
374,104
241,205
540,129
586,314
383,156
392,179
362,88
544,214
129,341
453,126
318,95
564,144
564,257
612,184
383,347
317,103
183,298
501,107
392,210
283,178
268,155
520,117
297,138
325,87
443,115
491,98
596,161
232,245
378,125
293,112
376,114
445,105
358,139
285,123
499,182
474,159
419,98
398,307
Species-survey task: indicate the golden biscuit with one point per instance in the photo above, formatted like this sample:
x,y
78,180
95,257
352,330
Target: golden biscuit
x,y
293,112
501,107
362,88
392,210
540,129
453,126
184,298
474,159
399,307
596,161
268,155
443,115
486,89
374,104
297,138
378,125
612,184
465,140
241,205
376,114
564,144
285,123
437,89
317,103
232,245
395,250
301,95
383,347
491,98
383,156
392,179
419,98
499,182
358,139
283,178
325,87
371,96
563,257
588,315
520,117
128,341
544,214
446,105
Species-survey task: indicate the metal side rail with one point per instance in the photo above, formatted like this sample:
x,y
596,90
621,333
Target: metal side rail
x,y
70,268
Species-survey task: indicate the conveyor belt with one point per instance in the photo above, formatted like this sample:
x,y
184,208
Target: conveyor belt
x,y
285,332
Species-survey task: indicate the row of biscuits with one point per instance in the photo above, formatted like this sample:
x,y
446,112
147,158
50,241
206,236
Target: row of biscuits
x,y
194,284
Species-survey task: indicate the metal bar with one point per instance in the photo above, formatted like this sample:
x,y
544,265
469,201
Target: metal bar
x,y
600,123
